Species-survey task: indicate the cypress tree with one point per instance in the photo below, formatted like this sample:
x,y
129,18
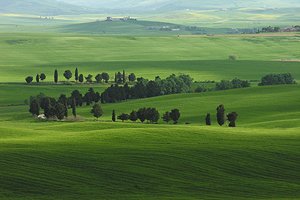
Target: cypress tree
x,y
37,78
113,116
124,77
55,76
74,108
76,75
116,78
221,115
208,119
81,78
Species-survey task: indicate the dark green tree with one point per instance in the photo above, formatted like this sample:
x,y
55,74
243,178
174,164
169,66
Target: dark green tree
x,y
152,115
133,116
97,111
76,75
141,113
37,78
64,100
55,76
42,76
60,111
98,78
124,77
89,78
232,117
175,115
113,116
119,78
29,79
81,79
105,77
166,117
208,119
68,74
221,115
123,117
132,77
73,105
34,108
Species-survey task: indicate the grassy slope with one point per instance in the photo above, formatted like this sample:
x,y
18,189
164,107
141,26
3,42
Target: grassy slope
x,y
203,57
100,160
96,161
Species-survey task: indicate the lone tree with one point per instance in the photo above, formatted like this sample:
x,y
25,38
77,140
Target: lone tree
x,y
132,77
43,76
76,75
37,78
97,111
34,107
29,79
175,115
232,117
98,78
68,74
113,116
55,76
105,77
133,116
221,115
166,117
208,119
123,117
81,78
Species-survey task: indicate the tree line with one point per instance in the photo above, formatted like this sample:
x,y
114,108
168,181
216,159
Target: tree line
x,y
120,77
144,88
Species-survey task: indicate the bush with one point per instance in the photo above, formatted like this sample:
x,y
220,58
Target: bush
x,y
200,89
232,57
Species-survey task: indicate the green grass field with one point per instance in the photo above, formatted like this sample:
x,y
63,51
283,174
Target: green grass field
x,y
104,160
204,58
92,159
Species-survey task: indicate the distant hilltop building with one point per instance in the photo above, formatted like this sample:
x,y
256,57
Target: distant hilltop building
x,y
112,19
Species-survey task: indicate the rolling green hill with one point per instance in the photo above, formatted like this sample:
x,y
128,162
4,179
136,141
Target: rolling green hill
x,y
103,160
204,58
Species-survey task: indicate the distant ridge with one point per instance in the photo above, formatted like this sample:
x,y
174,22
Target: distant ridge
x,y
37,7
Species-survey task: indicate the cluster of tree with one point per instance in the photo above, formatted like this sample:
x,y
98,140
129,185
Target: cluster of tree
x,y
270,29
144,88
277,79
38,78
52,108
120,78
233,84
225,85
151,115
